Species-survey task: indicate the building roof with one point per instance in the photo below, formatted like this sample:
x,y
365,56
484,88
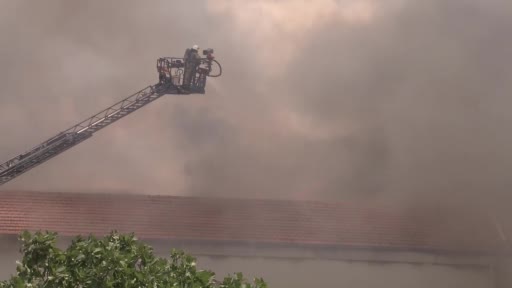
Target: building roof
x,y
255,221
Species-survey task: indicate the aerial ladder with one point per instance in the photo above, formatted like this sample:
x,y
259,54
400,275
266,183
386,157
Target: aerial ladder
x,y
170,73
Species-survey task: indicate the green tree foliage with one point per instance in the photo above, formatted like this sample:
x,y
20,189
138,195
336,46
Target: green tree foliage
x,y
114,261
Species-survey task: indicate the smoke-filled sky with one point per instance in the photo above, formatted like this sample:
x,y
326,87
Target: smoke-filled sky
x,y
323,99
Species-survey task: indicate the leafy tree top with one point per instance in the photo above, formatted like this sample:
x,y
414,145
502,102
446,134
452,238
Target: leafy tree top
x,y
115,261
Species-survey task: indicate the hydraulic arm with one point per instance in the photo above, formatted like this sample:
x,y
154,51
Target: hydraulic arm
x,y
170,75
81,131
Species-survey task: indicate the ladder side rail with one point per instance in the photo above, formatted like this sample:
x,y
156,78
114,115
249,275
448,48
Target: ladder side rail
x,y
24,158
108,111
141,100
23,167
82,124
93,121
33,151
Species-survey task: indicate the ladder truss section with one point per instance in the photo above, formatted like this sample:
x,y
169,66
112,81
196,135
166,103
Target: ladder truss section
x,y
81,131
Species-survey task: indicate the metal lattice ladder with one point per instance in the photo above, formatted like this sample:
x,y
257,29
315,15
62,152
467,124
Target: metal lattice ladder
x,y
82,131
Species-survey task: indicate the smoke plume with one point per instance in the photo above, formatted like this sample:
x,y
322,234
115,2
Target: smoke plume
x,y
352,99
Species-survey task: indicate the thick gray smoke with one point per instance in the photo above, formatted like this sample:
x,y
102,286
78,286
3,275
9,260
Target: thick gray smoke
x,y
411,103
428,88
